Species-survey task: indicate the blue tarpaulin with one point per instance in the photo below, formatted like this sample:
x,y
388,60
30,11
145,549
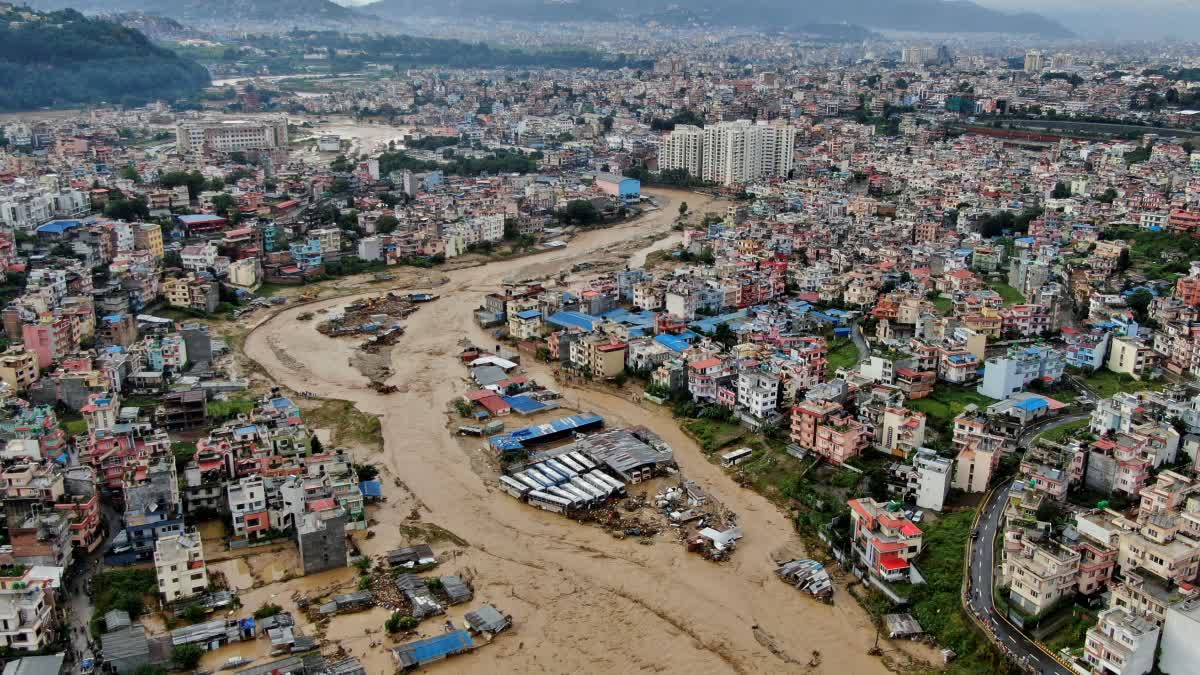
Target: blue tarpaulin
x,y
371,488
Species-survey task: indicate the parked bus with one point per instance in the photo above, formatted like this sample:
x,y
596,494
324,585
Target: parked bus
x,y
736,457
513,486
549,502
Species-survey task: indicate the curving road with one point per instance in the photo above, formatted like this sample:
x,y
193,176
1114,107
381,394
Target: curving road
x,y
983,565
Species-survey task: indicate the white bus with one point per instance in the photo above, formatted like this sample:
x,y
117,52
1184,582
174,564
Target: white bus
x,y
570,464
582,459
617,485
562,468
548,502
736,457
513,486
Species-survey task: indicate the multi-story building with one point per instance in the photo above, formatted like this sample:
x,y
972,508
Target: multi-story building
x,y
248,506
1006,375
933,478
179,565
682,150
1121,644
824,428
26,610
1131,356
18,368
883,541
1180,648
228,135
900,431
1040,575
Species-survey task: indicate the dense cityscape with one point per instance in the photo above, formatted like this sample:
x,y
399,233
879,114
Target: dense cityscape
x,y
541,337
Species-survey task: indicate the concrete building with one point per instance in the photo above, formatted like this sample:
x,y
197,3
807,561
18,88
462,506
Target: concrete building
x,y
231,135
321,537
742,152
1180,648
1040,575
933,479
682,150
1122,644
900,432
884,542
18,368
26,612
1130,356
248,506
179,566
1006,375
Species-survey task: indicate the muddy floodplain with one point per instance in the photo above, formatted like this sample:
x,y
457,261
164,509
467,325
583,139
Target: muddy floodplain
x,y
581,600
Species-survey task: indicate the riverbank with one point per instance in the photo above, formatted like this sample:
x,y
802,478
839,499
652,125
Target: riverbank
x,y
581,599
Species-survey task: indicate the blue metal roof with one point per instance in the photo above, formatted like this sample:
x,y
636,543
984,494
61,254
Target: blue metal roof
x,y
1032,403
529,314
516,439
676,343
58,226
438,647
580,320
371,488
523,404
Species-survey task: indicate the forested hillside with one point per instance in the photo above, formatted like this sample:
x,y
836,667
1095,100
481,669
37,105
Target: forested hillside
x,y
65,58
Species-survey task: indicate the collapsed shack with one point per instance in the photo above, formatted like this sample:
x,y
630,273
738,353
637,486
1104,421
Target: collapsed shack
x,y
903,626
418,557
348,602
376,316
807,575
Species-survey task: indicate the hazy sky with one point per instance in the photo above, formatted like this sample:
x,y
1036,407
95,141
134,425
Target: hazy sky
x,y
1114,18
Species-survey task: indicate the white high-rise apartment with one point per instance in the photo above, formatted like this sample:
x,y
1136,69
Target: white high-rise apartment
x,y
1035,61
729,152
742,151
683,148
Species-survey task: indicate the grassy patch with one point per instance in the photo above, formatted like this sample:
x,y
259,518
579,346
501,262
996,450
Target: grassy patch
x,y
348,424
714,434
1060,434
1106,383
842,354
943,305
1072,633
946,403
75,427
219,411
1010,295
121,589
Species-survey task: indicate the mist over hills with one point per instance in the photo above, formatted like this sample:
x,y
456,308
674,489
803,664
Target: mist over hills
x,y
955,16
958,16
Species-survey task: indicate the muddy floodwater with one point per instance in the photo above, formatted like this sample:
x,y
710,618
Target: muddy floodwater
x,y
581,600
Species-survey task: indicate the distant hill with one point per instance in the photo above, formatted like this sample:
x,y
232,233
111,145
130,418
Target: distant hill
x,y
65,58
224,13
157,28
958,16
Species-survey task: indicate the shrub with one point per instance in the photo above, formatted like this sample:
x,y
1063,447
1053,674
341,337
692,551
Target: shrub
x,y
187,657
269,609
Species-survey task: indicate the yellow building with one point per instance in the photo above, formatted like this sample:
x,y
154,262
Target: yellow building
x,y
148,237
18,368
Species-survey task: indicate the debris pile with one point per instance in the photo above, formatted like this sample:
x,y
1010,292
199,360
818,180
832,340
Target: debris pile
x,y
807,575
378,316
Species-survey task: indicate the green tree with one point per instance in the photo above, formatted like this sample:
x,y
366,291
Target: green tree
x,y
130,172
683,208
386,224
1139,301
187,657
1061,191
194,613
582,211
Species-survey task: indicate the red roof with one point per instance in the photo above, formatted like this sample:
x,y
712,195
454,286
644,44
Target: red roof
x,y
494,404
322,504
705,364
910,530
893,563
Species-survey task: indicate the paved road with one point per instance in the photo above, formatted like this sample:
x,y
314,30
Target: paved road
x,y
983,566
